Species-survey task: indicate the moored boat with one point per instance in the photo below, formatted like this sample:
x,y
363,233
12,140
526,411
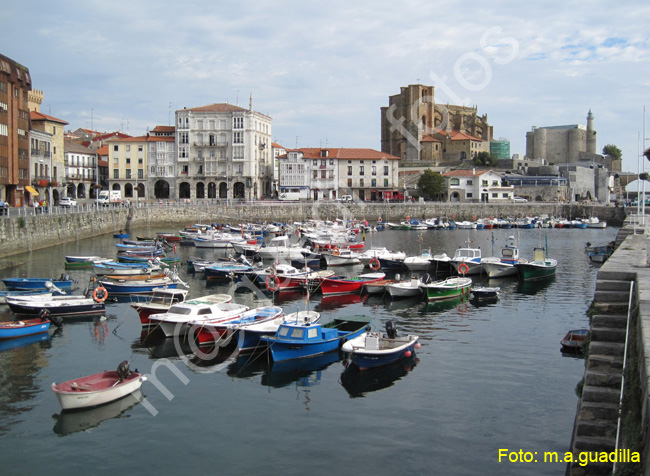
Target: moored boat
x,y
574,340
25,284
480,292
158,302
447,289
539,268
342,285
16,329
98,389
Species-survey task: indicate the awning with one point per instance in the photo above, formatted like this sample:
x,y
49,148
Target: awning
x,y
31,190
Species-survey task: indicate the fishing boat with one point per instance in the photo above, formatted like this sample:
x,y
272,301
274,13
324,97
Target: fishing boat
x,y
30,284
467,261
16,329
158,302
419,263
539,268
143,286
44,292
61,306
447,289
211,332
248,337
503,266
378,253
293,341
98,389
182,316
374,349
279,248
341,257
574,340
343,285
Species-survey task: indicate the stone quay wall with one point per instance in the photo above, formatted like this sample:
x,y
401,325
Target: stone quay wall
x,y
30,231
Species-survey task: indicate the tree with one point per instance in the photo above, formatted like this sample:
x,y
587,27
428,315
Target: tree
x,y
613,151
431,184
485,158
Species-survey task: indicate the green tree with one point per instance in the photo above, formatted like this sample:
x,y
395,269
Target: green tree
x,y
431,185
612,151
485,159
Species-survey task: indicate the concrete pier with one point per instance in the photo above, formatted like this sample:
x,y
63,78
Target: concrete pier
x,y
623,279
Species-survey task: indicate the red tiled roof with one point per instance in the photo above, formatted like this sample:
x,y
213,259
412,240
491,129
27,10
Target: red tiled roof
x,y
429,139
103,150
221,107
277,146
344,154
164,129
453,135
108,135
39,116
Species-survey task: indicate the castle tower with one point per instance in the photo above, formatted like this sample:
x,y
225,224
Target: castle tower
x,y
591,134
35,99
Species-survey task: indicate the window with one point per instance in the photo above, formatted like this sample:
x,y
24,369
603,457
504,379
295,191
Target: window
x,y
349,170
128,161
238,138
385,182
469,195
323,174
484,183
140,149
127,148
361,184
115,148
470,182
116,174
454,181
141,174
385,169
504,195
373,170
128,173
495,195
349,183
361,170
373,183
238,123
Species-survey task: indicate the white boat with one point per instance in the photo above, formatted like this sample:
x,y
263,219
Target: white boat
x,y
98,389
594,222
419,263
342,257
378,253
248,337
467,261
501,267
407,288
372,349
280,249
180,317
114,268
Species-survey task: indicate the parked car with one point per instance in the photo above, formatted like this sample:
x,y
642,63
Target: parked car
x,y
519,199
344,198
67,202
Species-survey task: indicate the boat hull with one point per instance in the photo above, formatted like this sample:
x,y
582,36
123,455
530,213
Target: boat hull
x,y
532,271
17,329
108,390
447,289
387,351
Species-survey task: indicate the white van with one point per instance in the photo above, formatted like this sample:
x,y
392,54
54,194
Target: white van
x,y
344,198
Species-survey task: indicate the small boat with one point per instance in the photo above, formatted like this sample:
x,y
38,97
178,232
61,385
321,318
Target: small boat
x,y
447,289
226,270
67,305
211,332
182,316
419,263
372,349
144,286
539,268
16,329
406,288
98,389
248,337
158,302
342,285
467,261
574,340
293,341
485,292
120,235
500,267
25,284
82,259
340,257
5,294
377,287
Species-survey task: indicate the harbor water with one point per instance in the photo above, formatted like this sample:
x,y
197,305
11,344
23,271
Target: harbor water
x,y
489,376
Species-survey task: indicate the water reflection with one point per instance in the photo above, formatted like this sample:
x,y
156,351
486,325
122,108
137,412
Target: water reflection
x,y
359,382
83,420
533,287
158,346
23,341
343,300
447,304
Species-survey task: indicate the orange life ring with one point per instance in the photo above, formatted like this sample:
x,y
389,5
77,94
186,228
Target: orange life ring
x,y
96,294
408,218
271,283
336,251
375,264
379,220
463,268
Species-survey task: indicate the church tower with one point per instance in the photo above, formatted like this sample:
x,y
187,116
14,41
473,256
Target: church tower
x,y
591,134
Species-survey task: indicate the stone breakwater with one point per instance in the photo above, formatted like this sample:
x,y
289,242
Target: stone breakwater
x,y
25,233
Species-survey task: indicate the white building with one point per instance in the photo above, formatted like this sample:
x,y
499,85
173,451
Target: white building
x,y
81,170
162,172
476,186
223,151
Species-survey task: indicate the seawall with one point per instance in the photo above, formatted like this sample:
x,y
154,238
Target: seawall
x,y
30,231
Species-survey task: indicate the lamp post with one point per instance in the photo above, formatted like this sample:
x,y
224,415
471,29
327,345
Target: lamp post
x,y
96,180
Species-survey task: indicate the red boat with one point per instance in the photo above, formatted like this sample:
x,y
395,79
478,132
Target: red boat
x,y
320,245
341,285
158,302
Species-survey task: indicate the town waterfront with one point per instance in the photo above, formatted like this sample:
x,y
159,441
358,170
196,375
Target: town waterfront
x,y
489,376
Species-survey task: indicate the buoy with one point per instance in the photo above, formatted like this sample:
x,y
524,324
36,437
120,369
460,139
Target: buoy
x,y
407,353
375,264
100,294
417,345
463,268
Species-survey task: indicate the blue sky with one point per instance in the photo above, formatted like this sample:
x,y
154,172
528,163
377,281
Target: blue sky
x,y
322,70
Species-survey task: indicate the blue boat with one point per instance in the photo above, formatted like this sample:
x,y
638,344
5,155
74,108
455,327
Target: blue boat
x,y
28,327
260,320
9,344
293,341
137,286
120,235
227,270
26,284
248,337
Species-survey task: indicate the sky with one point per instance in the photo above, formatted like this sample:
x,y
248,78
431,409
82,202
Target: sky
x,y
323,70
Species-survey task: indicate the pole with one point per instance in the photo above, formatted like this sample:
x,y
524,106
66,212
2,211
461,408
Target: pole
x,y
96,180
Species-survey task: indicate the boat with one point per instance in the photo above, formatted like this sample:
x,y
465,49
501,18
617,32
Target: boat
x,y
343,285
120,235
341,257
539,268
408,288
280,276
60,306
467,261
159,301
503,266
377,287
419,263
594,222
367,256
26,284
226,270
293,341
82,259
211,332
143,286
115,268
480,292
248,337
44,291
182,316
279,248
374,349
447,289
16,329
574,340
98,389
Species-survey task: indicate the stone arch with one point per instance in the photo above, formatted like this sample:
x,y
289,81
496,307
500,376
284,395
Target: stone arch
x,y
200,190
212,190
223,190
161,189
239,190
128,190
184,190
81,191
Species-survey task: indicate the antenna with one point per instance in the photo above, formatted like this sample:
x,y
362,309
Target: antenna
x,y
92,128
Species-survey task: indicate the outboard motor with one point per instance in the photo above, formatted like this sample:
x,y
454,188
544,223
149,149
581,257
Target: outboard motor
x,y
391,330
123,370
57,321
426,279
44,314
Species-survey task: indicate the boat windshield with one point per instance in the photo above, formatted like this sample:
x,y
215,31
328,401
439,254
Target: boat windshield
x,y
179,310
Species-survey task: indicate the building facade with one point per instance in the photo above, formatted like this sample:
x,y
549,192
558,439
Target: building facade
x,y
223,151
562,144
55,128
127,163
477,186
15,85
162,170
416,129
81,171
43,185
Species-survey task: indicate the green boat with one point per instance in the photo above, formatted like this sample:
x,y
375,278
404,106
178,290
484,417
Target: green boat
x,y
539,268
447,289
